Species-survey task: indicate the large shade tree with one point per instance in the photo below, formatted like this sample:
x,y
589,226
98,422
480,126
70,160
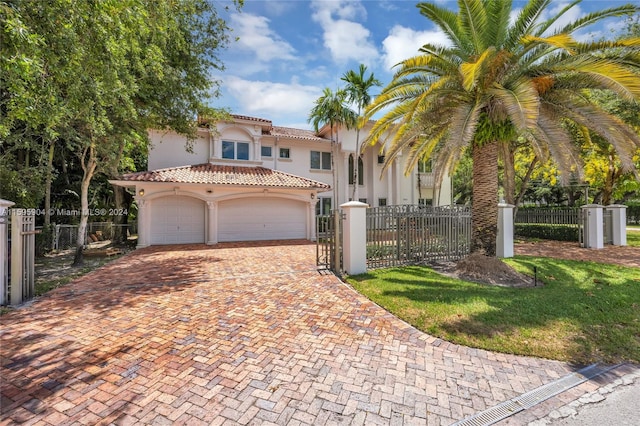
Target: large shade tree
x,y
94,76
500,77
331,108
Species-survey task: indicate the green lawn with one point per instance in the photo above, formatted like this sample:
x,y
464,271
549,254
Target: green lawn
x,y
633,238
586,312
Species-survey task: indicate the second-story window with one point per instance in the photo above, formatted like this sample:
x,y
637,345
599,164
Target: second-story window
x,y
265,151
320,160
235,150
424,166
285,153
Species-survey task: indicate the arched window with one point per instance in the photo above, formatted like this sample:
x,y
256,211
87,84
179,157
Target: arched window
x,y
360,170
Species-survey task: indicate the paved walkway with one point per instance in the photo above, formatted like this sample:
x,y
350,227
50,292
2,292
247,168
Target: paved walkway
x,y
617,255
236,334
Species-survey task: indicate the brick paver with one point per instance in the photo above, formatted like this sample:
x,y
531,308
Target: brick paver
x,y
238,334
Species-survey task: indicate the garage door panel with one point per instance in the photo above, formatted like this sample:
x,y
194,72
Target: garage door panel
x,y
177,220
254,219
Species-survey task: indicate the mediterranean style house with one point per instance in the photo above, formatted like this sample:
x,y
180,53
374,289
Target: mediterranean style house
x,y
246,179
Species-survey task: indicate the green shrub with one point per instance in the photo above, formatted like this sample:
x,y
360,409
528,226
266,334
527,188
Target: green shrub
x,y
633,212
547,232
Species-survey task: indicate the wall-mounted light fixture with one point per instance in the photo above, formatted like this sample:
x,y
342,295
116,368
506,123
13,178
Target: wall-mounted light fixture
x,y
209,191
141,192
313,196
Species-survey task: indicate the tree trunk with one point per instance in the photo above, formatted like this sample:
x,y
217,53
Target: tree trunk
x,y
47,187
89,165
356,164
609,181
509,181
120,219
524,185
484,210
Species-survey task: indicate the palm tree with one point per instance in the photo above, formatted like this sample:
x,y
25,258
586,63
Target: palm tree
x,y
330,108
501,78
358,87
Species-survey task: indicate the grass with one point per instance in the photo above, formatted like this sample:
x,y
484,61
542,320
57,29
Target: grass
x,y
633,238
586,311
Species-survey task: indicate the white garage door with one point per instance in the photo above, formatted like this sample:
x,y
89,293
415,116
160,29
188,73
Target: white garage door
x,y
252,219
177,220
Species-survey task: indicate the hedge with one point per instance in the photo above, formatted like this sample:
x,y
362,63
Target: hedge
x,y
633,212
547,232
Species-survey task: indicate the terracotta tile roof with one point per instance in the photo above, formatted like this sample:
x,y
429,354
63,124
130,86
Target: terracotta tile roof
x,y
246,117
295,133
226,175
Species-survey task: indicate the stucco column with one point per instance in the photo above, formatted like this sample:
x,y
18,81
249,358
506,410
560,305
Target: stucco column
x,y
4,248
504,245
389,194
354,238
214,146
144,222
593,226
212,222
257,148
619,224
311,218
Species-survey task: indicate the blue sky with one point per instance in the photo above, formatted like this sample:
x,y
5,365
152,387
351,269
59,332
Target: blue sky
x,y
288,51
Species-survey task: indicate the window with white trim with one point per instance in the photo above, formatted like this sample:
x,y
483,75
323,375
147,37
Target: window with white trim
x,y
265,151
425,166
320,160
285,153
323,206
235,150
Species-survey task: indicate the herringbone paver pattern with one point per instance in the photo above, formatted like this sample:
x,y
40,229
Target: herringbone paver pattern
x,y
236,334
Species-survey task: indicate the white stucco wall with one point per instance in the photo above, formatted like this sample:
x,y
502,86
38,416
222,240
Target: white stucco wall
x,y
168,149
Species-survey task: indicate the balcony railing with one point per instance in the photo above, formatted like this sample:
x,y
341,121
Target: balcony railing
x,y
426,180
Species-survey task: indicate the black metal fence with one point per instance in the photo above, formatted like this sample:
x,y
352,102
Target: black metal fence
x,y
410,234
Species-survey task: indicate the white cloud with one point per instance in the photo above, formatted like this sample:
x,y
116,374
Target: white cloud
x,y
569,16
403,43
256,36
272,99
345,38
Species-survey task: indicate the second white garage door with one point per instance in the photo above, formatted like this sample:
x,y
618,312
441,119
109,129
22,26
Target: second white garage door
x,y
253,219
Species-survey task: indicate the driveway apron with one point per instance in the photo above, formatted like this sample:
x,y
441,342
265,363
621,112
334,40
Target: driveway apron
x,y
238,334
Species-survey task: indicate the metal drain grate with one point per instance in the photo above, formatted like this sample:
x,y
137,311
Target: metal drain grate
x,y
534,397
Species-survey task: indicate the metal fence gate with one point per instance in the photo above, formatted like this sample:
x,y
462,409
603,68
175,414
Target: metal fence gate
x,y
329,241
19,283
405,235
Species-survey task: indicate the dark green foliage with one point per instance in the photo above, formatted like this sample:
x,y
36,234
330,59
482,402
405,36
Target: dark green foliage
x,y
633,212
547,232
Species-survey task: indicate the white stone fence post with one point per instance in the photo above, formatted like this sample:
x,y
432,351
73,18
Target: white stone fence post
x,y
355,237
4,249
504,243
619,224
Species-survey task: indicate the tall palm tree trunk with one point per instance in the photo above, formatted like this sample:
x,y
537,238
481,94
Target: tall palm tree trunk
x,y
484,211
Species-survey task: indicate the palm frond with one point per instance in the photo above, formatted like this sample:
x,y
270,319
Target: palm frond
x,y
447,21
472,19
560,41
559,143
611,128
591,18
498,14
471,72
544,26
525,22
520,101
594,72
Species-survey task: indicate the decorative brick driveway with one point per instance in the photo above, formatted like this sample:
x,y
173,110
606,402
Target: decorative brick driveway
x,y
238,334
